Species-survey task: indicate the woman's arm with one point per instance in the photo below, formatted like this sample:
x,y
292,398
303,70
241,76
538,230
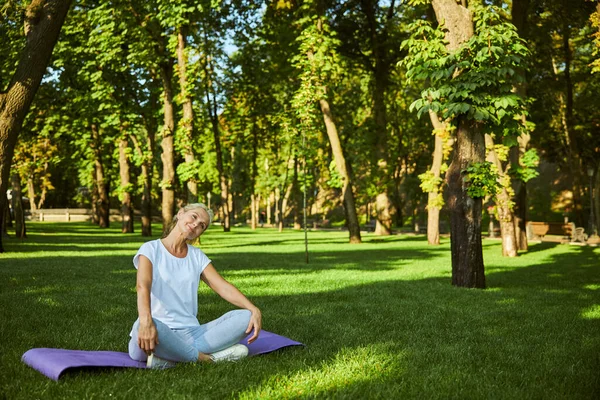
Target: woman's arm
x,y
147,335
227,291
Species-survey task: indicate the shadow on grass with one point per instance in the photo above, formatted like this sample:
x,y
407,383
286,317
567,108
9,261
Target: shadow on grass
x,y
416,339
398,338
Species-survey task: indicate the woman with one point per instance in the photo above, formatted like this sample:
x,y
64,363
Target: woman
x,y
168,274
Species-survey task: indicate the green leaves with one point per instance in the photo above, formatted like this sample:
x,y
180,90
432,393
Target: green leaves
x,y
477,79
481,180
527,167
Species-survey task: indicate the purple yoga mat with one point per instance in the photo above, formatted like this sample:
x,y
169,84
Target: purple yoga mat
x,y
53,362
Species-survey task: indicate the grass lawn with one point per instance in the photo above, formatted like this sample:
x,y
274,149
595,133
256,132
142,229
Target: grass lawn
x,y
380,320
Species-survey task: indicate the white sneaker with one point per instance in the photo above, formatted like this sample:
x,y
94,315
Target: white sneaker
x,y
155,362
233,353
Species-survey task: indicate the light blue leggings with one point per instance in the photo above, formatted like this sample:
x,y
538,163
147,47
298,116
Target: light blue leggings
x,y
183,344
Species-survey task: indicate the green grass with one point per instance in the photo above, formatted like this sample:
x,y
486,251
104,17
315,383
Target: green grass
x,y
379,320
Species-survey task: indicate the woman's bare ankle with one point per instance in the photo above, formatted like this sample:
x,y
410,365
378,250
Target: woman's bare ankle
x,y
204,357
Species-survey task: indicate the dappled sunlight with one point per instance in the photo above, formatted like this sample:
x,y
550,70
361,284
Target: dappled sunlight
x,y
557,291
507,302
350,366
48,301
42,289
373,321
592,312
114,311
131,271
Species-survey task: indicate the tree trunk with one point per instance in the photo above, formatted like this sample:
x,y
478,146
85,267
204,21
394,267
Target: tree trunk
x,y
4,217
212,110
566,111
283,210
43,21
520,192
269,202
340,163
296,195
103,206
187,123
277,208
378,42
465,212
95,213
40,203
254,205
597,193
167,156
433,211
17,206
126,207
505,214
31,193
146,178
519,14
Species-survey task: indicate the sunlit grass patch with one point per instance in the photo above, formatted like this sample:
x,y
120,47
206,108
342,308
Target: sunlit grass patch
x,y
379,319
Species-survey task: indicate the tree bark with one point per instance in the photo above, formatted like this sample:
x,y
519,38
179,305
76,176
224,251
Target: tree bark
x,y
505,214
519,14
433,211
167,156
146,178
222,178
566,113
283,210
597,193
214,118
465,212
187,123
103,207
126,207
340,164
43,21
381,69
31,193
254,205
17,206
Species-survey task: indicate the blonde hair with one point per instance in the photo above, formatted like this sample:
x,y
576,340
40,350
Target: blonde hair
x,y
192,206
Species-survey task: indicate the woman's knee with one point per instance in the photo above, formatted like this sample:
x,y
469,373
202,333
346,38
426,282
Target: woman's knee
x,y
244,315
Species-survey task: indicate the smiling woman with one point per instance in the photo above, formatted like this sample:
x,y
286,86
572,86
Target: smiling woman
x,y
168,274
199,213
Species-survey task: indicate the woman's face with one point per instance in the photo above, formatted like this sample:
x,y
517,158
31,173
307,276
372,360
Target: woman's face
x,y
192,222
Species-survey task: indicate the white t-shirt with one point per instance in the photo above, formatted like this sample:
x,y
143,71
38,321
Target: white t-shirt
x,y
174,292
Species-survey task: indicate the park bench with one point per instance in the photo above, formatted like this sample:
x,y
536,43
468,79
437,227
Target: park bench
x,y
76,215
567,230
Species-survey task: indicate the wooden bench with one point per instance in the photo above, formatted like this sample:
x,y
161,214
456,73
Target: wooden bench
x,y
567,231
541,229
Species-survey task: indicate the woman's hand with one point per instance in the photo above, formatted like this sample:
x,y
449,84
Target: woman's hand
x,y
255,323
147,336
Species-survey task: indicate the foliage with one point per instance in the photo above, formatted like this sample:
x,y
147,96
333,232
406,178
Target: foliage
x,y
595,21
481,180
527,168
335,179
477,79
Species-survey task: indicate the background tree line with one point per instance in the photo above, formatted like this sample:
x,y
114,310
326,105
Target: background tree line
x,y
381,111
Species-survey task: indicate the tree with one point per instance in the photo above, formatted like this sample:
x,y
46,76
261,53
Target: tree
x,y
471,76
43,21
369,36
317,62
